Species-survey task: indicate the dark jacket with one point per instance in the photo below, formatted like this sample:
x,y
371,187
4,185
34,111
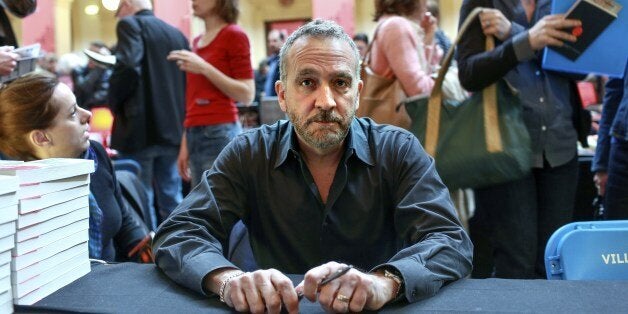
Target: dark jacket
x,y
121,230
614,122
146,91
91,86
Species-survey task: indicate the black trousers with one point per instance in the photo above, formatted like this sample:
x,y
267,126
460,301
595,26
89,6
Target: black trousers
x,y
518,218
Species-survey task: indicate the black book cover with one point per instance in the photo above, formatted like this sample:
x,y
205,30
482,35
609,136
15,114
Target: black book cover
x,y
595,16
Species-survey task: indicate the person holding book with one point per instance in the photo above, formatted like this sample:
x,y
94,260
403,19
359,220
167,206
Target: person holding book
x,y
610,164
522,214
317,193
39,119
91,82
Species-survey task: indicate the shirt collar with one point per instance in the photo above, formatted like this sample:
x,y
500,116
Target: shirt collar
x,y
356,143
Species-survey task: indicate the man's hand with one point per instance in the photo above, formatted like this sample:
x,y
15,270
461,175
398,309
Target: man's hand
x,y
354,291
600,179
549,31
256,292
8,60
494,23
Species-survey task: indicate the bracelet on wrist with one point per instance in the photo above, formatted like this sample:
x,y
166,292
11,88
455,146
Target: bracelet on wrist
x,y
395,276
223,286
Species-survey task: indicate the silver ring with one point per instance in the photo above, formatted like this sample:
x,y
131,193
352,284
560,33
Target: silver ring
x,y
342,298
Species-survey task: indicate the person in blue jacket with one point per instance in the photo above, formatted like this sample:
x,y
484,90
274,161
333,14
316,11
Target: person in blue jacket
x,y
610,164
39,119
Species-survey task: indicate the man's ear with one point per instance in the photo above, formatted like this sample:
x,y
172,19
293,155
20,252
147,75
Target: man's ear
x,y
280,89
39,138
360,86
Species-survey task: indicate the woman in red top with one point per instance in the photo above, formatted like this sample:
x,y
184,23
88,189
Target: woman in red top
x,y
219,73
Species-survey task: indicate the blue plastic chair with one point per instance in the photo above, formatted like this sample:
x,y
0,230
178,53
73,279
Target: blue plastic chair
x,y
592,250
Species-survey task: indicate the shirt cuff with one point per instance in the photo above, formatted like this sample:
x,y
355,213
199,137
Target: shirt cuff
x,y
194,274
522,47
419,281
515,29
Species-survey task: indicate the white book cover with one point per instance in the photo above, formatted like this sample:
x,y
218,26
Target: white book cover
x,y
8,199
50,225
51,237
62,281
26,287
21,261
47,169
7,307
8,184
5,297
44,265
3,270
7,229
7,243
41,188
3,283
50,212
40,202
8,213
5,257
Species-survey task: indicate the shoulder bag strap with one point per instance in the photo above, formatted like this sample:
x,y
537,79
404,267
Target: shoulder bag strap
x,y
491,125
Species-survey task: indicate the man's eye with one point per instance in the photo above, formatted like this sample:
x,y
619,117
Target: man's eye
x,y
342,83
307,83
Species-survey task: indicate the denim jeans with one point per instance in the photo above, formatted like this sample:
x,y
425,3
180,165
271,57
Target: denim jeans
x,y
159,172
204,145
522,215
616,198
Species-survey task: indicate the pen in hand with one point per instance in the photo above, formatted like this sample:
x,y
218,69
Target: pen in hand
x,y
328,279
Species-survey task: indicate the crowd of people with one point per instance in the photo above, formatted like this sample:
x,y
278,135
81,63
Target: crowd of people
x,y
323,191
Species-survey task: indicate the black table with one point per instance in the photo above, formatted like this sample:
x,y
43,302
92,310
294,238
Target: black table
x,y
136,288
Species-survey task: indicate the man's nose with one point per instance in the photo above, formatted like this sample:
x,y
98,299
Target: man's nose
x,y
325,99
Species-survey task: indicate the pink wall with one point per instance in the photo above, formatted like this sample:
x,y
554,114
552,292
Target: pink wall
x,y
340,11
39,27
177,13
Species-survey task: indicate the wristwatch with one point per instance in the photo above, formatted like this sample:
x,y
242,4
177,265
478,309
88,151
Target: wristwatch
x,y
396,276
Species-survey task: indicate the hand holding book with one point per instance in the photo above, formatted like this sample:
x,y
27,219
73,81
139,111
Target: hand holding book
x,y
8,60
595,16
551,31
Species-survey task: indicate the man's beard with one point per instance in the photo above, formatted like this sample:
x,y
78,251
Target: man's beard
x,y
323,137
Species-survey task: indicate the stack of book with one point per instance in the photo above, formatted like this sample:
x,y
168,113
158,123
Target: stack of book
x,y
8,215
51,247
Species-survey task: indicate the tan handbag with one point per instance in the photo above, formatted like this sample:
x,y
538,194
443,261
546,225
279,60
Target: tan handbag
x,y
381,97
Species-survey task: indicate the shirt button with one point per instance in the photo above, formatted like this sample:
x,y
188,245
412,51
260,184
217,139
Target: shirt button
x,y
538,73
414,293
543,128
541,99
